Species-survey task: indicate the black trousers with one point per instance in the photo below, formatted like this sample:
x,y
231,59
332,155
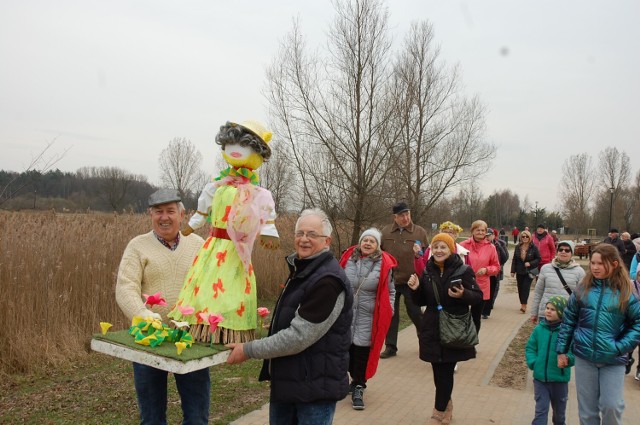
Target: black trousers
x,y
412,310
443,379
358,359
488,305
524,287
476,314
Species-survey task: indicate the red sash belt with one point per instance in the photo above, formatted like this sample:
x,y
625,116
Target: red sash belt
x,y
217,232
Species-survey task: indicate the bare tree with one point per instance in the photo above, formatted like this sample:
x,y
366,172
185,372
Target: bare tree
x,y
180,167
40,163
364,133
439,131
576,190
277,175
334,116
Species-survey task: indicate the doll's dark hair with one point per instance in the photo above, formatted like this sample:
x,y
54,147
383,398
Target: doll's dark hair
x,y
234,133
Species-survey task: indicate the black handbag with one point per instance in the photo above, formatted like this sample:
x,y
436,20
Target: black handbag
x,y
457,331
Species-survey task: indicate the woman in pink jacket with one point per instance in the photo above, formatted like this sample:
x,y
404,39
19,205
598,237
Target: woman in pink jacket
x,y
483,258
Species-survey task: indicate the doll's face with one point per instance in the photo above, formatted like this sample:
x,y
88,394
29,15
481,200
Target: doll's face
x,y
241,156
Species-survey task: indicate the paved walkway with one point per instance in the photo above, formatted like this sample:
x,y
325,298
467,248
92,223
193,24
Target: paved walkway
x,y
402,391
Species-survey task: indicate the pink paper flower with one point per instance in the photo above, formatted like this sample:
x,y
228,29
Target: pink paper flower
x,y
214,319
186,310
155,299
263,312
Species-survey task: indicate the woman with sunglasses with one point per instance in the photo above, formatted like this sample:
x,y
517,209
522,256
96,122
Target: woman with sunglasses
x,y
525,259
560,277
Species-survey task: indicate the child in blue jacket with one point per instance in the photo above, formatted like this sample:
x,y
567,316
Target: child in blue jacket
x,y
550,381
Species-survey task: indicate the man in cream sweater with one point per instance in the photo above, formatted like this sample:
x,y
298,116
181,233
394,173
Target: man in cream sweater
x,y
158,262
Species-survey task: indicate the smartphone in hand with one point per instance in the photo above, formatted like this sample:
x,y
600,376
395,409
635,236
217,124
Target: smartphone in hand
x,y
456,285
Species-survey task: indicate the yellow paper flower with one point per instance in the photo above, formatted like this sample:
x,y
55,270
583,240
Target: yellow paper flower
x,y
105,327
180,346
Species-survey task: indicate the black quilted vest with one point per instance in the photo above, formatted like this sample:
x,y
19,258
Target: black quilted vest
x,y
319,373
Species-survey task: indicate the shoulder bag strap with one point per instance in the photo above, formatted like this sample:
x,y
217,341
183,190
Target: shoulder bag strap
x,y
564,283
436,294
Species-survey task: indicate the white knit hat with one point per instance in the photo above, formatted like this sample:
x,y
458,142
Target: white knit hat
x,y
374,233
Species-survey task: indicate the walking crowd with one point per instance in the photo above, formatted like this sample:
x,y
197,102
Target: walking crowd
x,y
334,315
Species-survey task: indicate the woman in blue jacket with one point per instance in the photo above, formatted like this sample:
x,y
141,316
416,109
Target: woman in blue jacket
x,y
602,320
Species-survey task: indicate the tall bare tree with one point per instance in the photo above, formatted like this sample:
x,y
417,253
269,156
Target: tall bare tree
x,y
439,131
576,190
348,113
180,167
333,111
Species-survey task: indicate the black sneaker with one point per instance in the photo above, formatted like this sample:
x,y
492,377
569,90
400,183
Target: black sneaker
x,y
484,316
627,368
352,387
388,352
357,398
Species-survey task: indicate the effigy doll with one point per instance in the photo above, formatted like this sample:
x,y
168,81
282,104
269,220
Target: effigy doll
x,y
221,281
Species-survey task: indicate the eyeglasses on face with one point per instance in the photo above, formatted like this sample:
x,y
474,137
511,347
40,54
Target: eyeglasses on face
x,y
524,237
564,250
310,235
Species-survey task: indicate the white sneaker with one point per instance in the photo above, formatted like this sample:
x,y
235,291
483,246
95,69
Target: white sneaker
x,y
638,375
455,369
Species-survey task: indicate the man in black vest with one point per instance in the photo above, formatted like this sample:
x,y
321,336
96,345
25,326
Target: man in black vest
x,y
307,351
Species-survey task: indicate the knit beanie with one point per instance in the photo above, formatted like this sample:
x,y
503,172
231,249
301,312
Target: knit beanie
x,y
374,233
559,302
570,244
446,238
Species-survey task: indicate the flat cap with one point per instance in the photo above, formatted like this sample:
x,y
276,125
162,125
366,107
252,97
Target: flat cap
x,y
400,207
164,196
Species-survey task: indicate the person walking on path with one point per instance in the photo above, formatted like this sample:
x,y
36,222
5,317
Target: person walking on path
x,y
307,351
545,244
398,239
629,250
368,269
614,239
525,259
602,321
550,382
457,291
158,261
483,258
515,232
558,278
494,281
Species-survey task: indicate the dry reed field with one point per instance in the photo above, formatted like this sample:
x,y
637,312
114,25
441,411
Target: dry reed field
x,y
58,275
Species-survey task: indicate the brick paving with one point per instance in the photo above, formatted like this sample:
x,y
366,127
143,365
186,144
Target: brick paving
x,y
402,391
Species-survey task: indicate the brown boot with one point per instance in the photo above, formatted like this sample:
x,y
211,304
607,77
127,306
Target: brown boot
x,y
436,418
448,414
523,308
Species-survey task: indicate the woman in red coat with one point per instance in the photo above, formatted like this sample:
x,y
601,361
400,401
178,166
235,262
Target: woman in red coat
x,y
483,258
368,268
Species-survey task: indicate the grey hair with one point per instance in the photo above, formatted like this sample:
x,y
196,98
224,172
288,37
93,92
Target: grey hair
x,y
326,224
180,207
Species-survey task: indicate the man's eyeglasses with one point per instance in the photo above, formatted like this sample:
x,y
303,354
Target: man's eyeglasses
x,y
310,235
564,250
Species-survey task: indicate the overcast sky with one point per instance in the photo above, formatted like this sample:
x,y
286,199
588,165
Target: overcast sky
x,y
116,80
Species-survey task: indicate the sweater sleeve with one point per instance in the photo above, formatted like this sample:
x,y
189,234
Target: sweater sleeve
x,y
300,335
129,282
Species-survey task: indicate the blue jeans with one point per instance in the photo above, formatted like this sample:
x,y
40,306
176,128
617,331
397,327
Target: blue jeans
x,y
320,413
554,393
151,388
600,389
